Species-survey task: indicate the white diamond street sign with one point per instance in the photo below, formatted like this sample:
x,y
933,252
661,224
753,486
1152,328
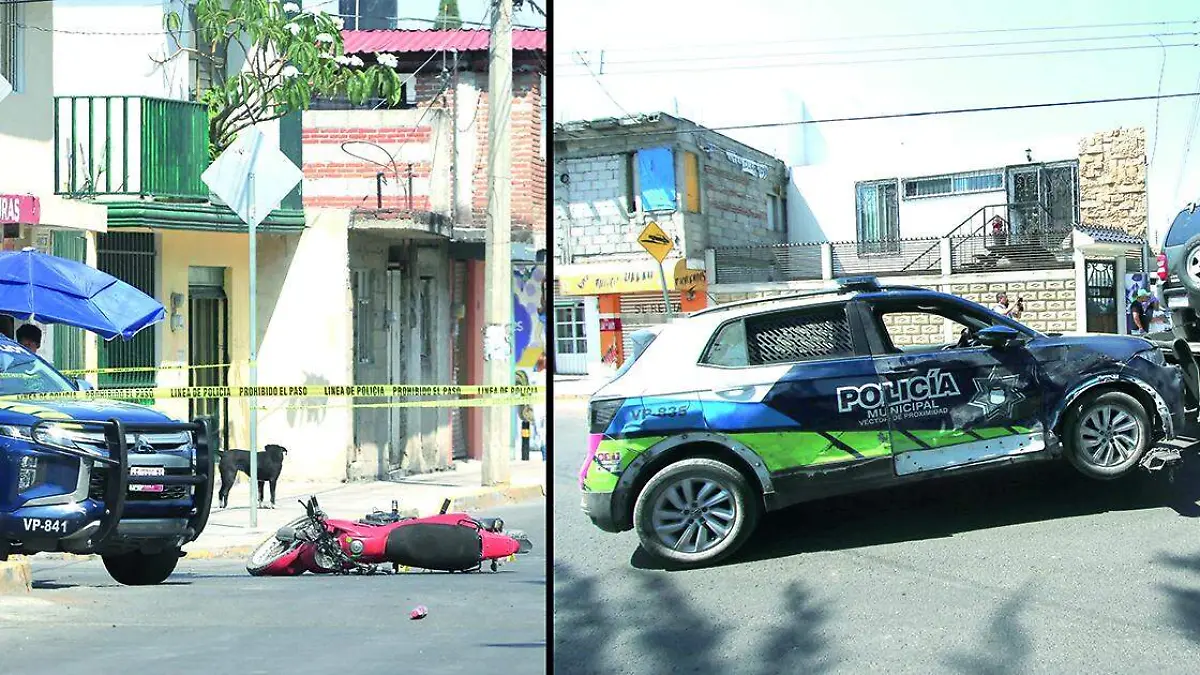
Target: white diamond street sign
x,y
6,88
252,177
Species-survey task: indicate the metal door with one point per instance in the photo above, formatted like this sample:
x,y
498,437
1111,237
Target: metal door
x,y
397,354
458,416
208,344
1101,296
132,258
570,339
429,348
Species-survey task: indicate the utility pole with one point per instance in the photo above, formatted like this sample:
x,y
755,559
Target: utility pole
x,y
498,302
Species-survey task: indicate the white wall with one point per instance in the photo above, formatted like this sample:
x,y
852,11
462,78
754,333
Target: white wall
x,y
821,195
95,64
307,340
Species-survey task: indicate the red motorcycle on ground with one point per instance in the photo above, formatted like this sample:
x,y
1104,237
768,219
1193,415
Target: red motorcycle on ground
x,y
447,542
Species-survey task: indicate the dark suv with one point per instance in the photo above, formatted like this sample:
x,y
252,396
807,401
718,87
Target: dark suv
x,y
1179,273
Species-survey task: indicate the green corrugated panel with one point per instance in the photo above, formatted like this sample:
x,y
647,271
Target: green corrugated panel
x,y
68,341
291,143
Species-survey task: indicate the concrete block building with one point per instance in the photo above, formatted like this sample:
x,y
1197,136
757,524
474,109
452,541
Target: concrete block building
x,y
614,176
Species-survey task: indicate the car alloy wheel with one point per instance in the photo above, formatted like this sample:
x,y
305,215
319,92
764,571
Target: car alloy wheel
x,y
1109,435
693,515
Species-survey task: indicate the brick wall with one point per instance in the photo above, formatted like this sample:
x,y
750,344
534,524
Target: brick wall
x,y
424,137
529,168
735,203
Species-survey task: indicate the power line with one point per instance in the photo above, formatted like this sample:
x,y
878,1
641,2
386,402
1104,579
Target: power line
x,y
923,113
600,84
892,36
1162,70
869,50
763,66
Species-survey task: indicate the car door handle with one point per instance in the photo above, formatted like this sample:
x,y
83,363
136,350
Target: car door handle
x,y
735,393
901,371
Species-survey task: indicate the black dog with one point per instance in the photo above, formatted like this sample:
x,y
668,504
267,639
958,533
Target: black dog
x,y
270,464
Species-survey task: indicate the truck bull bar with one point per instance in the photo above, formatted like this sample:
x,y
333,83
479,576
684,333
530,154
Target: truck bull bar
x,y
118,480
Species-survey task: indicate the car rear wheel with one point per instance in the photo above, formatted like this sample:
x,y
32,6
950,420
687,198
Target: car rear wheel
x,y
1107,435
696,512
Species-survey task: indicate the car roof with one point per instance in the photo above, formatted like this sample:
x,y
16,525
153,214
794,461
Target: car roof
x,y
743,308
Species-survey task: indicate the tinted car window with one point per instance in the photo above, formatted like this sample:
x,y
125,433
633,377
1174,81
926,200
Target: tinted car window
x,y
729,347
803,335
1186,226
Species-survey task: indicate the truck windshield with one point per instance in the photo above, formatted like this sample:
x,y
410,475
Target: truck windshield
x,y
23,373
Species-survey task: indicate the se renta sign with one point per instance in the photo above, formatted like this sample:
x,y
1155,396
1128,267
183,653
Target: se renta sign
x,y
20,209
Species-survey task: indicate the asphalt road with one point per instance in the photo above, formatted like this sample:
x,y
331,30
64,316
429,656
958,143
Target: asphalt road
x,y
1035,570
212,617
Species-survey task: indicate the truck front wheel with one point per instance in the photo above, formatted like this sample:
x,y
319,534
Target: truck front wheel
x,y
142,569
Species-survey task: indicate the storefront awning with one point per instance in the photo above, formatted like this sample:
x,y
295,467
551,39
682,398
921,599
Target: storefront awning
x,y
627,277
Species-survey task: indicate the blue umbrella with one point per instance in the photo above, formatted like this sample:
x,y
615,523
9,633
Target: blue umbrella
x,y
49,289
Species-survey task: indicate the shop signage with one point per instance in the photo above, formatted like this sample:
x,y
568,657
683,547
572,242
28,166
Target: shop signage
x,y
629,278
22,209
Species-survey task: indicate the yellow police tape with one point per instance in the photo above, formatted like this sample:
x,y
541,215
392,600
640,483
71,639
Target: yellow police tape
x,y
452,403
350,391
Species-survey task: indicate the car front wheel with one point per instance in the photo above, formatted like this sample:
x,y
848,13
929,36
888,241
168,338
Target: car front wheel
x,y
142,569
696,512
1107,435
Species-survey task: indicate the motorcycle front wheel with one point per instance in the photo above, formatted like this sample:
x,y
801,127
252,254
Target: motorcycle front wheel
x,y
274,549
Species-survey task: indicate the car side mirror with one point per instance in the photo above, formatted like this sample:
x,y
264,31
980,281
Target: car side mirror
x,y
997,337
83,385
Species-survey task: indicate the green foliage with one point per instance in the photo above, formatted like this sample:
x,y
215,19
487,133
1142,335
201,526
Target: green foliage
x,y
448,17
290,56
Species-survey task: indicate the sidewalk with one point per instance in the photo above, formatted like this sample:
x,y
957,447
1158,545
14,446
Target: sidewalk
x,y
578,388
229,535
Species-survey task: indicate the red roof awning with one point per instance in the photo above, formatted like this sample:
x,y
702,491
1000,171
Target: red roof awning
x,y
401,41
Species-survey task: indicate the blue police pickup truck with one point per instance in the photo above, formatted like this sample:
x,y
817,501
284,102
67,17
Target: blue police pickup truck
x,y
92,476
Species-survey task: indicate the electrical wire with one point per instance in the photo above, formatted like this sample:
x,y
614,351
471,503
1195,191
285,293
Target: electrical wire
x,y
600,84
893,36
922,113
989,55
904,48
1162,70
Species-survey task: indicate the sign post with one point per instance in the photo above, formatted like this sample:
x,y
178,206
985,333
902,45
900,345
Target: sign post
x,y
252,178
658,245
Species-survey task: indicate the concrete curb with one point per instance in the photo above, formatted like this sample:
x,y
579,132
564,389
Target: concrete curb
x,y
491,497
16,577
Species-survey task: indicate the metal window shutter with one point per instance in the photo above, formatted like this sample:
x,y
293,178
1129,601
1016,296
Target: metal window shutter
x,y
643,311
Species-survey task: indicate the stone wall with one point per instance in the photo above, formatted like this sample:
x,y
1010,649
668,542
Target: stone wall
x,y
1112,180
1049,305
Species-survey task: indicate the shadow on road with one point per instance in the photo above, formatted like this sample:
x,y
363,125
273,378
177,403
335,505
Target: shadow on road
x,y
1185,602
669,634
1006,647
945,507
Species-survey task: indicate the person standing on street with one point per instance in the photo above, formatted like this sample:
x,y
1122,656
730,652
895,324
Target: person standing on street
x,y
1141,310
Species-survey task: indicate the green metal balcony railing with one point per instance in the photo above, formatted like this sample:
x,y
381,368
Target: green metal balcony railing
x,y
130,145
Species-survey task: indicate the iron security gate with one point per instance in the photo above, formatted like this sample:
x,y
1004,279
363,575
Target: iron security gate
x,y
130,257
68,341
208,344
1101,294
458,313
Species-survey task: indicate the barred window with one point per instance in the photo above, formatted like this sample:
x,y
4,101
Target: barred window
x,y
805,335
10,44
